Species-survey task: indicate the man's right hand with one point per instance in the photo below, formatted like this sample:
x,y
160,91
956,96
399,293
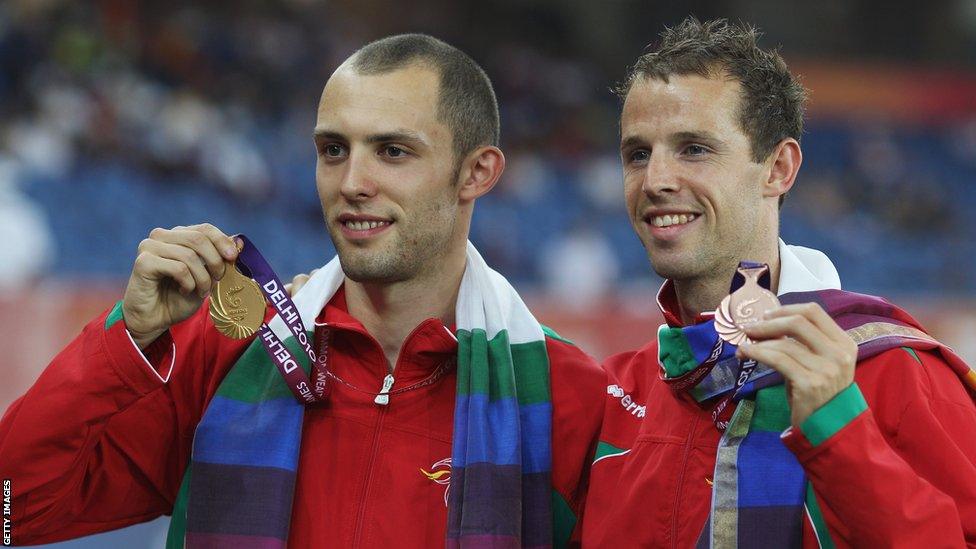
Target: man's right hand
x,y
172,275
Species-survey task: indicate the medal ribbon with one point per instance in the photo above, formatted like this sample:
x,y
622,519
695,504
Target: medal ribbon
x,y
254,265
720,416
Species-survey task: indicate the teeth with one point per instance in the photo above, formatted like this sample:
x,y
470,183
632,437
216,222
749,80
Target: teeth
x,y
668,220
364,225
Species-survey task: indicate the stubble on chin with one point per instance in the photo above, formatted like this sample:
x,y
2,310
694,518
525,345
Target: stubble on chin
x,y
374,266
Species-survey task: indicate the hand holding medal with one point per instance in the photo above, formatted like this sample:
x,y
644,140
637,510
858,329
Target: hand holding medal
x,y
174,271
815,356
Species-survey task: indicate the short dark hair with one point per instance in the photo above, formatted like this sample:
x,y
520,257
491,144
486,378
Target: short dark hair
x,y
772,99
466,102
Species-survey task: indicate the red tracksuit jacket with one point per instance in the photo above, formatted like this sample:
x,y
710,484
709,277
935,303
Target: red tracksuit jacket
x,y
101,441
901,473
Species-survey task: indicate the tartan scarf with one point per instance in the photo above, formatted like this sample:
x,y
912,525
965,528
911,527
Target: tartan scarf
x,y
760,492
237,490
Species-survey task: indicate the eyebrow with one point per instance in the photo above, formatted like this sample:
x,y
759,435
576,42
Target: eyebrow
x,y
630,141
633,140
696,136
397,135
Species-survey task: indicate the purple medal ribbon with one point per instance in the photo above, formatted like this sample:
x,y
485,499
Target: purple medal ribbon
x,y
254,265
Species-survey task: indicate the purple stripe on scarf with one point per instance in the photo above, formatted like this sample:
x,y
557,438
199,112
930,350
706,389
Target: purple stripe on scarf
x,y
853,320
774,526
223,500
840,302
486,542
230,541
882,344
496,495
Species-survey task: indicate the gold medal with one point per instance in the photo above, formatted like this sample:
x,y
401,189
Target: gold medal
x,y
745,306
237,305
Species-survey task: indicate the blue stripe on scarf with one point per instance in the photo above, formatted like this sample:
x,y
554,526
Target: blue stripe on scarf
x,y
261,434
701,338
769,474
536,420
497,440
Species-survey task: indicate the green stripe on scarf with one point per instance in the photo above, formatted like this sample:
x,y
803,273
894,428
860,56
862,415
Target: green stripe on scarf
x,y
177,524
675,352
772,410
248,380
531,376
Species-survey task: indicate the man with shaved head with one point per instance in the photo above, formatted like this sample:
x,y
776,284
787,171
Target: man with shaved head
x,y
443,412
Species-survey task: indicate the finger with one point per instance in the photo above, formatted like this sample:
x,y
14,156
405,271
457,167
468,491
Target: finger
x,y
795,326
795,350
197,241
841,347
188,256
226,245
152,267
775,358
812,312
296,284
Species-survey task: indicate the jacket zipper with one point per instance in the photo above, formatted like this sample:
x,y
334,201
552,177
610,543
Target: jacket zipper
x,y
681,481
382,401
374,450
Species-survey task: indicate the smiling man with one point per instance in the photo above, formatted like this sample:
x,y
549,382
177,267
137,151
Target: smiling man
x,y
859,436
450,414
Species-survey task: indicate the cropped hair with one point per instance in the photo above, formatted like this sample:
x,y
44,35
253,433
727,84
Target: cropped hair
x,y
466,101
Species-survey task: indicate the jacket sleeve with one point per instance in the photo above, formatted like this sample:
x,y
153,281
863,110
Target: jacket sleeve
x,y
102,438
902,471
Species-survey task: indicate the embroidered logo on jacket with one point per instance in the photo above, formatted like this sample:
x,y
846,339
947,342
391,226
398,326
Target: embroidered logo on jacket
x,y
440,473
626,401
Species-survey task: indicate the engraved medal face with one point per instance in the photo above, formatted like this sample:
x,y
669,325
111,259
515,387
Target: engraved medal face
x,y
237,305
744,306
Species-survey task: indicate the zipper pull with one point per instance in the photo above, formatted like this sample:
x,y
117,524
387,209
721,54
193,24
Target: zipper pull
x,y
383,398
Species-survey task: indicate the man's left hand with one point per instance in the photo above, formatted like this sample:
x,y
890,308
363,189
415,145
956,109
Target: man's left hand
x,y
814,354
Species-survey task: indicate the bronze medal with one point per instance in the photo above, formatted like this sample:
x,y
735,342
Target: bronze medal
x,y
743,307
237,306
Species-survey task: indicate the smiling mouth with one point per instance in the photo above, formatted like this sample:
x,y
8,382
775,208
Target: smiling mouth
x,y
671,220
354,225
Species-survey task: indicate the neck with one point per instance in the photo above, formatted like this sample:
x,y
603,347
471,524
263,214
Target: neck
x,y
391,311
704,294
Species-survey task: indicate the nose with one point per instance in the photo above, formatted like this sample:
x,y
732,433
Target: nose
x,y
660,176
358,181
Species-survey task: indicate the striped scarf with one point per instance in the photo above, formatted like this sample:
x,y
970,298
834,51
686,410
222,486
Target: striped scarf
x,y
760,492
237,491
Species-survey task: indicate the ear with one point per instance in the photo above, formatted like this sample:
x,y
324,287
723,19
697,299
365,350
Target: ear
x,y
479,172
785,162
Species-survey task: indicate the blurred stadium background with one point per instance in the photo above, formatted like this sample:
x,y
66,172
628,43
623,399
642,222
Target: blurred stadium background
x,y
117,116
